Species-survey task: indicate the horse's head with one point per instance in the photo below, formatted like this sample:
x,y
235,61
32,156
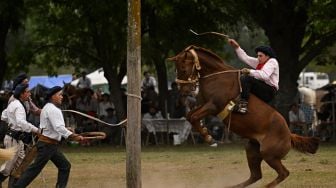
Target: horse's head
x,y
187,66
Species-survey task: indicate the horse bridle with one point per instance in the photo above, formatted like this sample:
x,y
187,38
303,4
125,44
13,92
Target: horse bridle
x,y
193,77
197,67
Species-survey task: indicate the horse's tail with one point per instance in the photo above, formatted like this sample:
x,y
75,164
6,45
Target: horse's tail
x,y
305,144
7,154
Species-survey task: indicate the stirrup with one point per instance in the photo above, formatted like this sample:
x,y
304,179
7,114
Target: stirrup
x,y
242,107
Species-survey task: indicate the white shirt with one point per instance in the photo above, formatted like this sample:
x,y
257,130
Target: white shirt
x,y
102,106
148,82
269,73
299,117
52,122
84,83
15,115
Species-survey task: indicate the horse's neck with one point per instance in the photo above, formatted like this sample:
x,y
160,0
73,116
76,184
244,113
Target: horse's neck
x,y
212,67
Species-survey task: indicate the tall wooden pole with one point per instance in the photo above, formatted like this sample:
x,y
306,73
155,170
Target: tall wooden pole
x,y
133,142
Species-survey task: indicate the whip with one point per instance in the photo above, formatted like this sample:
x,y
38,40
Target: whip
x,y
210,32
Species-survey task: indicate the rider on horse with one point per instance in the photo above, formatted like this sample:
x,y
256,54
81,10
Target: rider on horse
x,y
263,80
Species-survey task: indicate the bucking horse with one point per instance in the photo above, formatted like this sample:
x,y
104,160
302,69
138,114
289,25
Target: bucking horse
x,y
269,137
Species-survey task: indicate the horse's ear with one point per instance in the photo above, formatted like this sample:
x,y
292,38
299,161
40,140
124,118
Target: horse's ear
x,y
172,58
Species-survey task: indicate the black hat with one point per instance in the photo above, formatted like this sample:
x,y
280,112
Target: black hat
x,y
19,89
52,91
19,79
266,50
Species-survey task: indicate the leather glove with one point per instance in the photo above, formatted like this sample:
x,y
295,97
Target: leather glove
x,y
245,71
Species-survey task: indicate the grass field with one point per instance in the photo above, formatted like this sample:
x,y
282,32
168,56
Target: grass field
x,y
188,166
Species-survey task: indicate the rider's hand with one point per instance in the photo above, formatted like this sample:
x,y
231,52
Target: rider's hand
x,y
233,43
245,71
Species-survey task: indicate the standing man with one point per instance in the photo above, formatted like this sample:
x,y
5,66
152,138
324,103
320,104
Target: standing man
x,y
297,120
53,129
22,78
15,115
84,81
148,81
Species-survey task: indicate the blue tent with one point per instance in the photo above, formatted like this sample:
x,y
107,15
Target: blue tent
x,y
49,82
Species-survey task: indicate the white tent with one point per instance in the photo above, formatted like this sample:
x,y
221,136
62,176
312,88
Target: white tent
x,y
97,78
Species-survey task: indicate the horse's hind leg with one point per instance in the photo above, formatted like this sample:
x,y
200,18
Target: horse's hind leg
x,y
283,173
254,159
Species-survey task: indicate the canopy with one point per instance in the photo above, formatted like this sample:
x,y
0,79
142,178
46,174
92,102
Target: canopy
x,y
48,81
97,78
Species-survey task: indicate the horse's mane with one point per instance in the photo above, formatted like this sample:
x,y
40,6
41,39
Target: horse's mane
x,y
211,54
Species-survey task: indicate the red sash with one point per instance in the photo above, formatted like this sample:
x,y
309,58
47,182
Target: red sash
x,y
260,66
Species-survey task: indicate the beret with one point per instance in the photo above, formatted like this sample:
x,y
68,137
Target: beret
x,y
19,79
19,89
52,91
266,50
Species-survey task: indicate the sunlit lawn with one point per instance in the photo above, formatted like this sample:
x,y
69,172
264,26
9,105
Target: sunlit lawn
x,y
188,166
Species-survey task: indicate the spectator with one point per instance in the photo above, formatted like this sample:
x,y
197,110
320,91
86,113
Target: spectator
x,y
84,81
153,113
104,104
173,99
148,81
297,121
150,98
113,133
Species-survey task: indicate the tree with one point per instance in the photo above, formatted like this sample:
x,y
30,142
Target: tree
x,y
299,31
11,14
166,25
83,33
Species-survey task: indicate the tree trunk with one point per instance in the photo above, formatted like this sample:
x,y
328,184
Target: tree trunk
x,y
4,27
133,142
162,82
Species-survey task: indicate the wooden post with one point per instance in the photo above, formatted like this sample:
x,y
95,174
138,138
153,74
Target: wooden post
x,y
133,141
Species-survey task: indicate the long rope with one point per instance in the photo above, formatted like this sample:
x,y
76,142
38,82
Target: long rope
x,y
96,119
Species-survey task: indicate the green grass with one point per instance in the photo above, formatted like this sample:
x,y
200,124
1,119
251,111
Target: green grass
x,y
188,166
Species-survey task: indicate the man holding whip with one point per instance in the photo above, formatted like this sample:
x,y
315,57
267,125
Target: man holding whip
x,y
53,129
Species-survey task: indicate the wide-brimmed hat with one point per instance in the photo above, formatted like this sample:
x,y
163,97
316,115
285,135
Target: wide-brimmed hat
x,y
19,89
19,79
52,91
266,50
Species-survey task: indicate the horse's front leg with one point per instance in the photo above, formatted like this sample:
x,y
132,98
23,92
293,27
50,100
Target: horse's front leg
x,y
195,116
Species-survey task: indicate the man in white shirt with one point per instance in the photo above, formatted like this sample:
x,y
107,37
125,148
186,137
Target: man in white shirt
x,y
22,78
53,129
263,79
16,116
84,81
148,81
297,120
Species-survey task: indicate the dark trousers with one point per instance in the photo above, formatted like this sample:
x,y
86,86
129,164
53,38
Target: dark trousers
x,y
259,88
46,152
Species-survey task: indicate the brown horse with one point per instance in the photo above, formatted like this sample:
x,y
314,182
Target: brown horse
x,y
266,129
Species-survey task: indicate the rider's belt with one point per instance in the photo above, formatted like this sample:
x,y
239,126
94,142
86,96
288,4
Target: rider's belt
x,y
17,135
47,140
